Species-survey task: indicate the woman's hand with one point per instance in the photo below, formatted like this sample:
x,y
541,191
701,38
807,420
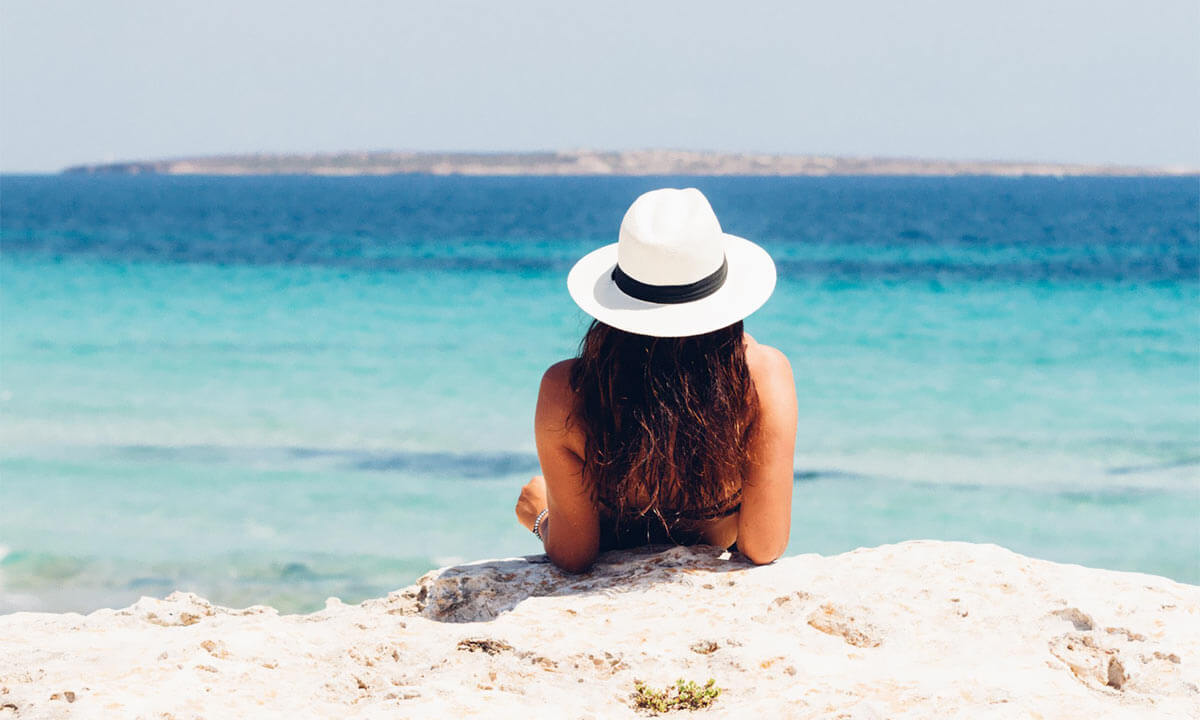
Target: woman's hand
x,y
532,501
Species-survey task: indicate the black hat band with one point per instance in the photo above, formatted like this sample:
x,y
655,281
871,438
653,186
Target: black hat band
x,y
671,294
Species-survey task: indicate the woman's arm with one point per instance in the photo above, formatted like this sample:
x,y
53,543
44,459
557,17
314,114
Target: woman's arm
x,y
571,534
766,516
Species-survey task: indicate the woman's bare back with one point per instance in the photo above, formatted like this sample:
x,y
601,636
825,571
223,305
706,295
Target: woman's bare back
x,y
759,526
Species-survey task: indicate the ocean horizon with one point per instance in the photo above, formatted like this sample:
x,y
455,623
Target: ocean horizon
x,y
273,390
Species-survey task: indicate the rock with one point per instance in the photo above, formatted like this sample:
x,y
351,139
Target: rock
x,y
877,632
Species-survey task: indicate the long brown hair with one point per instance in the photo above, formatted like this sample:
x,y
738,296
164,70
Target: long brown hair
x,y
666,419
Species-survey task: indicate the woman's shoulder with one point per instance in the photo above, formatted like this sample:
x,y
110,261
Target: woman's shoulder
x,y
555,405
556,397
771,372
557,378
766,362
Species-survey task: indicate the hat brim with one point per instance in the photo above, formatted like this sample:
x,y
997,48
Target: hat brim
x,y
748,284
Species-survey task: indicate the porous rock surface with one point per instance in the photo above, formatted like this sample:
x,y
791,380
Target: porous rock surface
x,y
920,629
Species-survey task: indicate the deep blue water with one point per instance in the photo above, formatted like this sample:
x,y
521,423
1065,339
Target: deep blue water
x,y
279,389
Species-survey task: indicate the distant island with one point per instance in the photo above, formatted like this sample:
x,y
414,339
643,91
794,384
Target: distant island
x,y
584,162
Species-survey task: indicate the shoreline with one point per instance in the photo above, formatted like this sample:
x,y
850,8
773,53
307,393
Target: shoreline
x,y
582,163
916,629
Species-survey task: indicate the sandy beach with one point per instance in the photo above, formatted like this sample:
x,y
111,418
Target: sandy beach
x,y
913,630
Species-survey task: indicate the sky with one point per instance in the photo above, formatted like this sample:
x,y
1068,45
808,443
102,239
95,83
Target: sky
x,y
1072,81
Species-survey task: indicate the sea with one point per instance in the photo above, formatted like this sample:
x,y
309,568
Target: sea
x,y
276,390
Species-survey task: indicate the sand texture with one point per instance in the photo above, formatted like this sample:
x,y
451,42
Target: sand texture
x,y
920,629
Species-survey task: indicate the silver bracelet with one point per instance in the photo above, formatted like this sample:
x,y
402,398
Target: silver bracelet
x,y
537,524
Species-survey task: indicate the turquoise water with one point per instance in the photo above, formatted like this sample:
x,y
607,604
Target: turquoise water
x,y
280,389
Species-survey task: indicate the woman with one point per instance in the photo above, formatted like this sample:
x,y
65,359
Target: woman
x,y
672,425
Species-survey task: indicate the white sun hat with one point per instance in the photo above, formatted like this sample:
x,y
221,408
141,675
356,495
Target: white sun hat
x,y
673,272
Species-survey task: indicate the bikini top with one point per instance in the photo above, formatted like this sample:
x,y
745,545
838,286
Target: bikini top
x,y
732,505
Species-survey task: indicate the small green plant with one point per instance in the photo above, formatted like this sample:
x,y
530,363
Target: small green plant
x,y
683,696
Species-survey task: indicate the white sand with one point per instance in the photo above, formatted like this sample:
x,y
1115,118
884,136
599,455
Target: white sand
x,y
921,629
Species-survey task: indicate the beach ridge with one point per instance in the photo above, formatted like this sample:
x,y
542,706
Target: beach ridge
x,y
916,629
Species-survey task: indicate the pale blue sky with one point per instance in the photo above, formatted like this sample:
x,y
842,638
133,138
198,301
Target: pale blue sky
x,y
1066,80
